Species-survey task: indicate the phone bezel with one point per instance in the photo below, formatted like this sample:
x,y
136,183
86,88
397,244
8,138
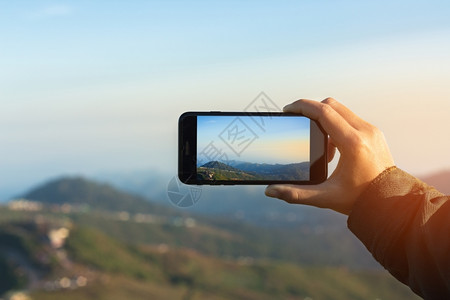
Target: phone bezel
x,y
187,150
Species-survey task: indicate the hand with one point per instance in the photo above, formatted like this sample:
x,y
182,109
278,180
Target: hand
x,y
364,154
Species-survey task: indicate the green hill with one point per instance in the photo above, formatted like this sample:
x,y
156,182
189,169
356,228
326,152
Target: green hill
x,y
293,171
170,267
97,196
221,174
167,273
97,254
215,170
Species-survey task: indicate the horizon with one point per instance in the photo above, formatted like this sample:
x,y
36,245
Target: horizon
x,y
97,87
225,162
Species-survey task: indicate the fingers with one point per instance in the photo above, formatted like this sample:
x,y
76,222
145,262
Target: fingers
x,y
363,155
353,119
334,123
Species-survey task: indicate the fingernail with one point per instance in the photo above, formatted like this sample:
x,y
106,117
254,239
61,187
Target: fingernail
x,y
270,192
286,106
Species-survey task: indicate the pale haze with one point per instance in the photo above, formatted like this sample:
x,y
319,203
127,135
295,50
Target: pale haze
x,y
97,86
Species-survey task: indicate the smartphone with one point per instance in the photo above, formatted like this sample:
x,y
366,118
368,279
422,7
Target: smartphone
x,y
230,148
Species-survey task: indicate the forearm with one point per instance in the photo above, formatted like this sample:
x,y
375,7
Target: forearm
x,y
405,224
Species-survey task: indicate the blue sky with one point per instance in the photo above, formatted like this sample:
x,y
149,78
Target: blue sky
x,y
93,86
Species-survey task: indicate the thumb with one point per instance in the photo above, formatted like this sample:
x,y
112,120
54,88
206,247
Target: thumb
x,y
296,194
324,195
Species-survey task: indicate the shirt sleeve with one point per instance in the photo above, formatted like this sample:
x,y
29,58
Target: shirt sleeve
x,y
405,224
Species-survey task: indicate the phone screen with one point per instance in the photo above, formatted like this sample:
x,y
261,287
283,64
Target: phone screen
x,y
253,148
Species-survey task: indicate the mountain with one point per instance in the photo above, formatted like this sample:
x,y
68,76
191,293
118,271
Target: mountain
x,y
253,171
440,180
90,255
98,196
240,202
91,264
215,170
219,166
297,171
246,203
160,224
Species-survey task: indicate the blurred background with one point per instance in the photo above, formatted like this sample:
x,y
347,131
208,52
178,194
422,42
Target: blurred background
x,y
90,95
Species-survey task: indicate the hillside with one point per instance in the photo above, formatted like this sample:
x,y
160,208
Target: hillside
x,y
109,254
245,203
94,195
295,171
91,264
215,170
166,273
138,221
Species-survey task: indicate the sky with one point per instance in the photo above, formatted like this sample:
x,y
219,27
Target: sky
x,y
279,140
98,86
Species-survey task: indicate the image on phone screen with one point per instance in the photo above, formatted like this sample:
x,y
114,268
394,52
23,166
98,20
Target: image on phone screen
x,y
231,148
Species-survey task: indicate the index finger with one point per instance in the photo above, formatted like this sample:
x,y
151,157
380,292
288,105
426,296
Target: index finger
x,y
346,113
333,123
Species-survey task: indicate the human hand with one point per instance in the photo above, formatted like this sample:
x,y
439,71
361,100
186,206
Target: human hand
x,y
364,154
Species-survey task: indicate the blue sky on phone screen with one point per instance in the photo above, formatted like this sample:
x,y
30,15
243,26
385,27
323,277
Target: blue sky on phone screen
x,y
284,139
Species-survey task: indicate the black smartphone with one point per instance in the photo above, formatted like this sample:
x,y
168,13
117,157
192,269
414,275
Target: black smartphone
x,y
220,148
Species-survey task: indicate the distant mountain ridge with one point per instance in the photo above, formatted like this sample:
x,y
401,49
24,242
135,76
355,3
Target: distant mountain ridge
x,y
277,169
81,191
